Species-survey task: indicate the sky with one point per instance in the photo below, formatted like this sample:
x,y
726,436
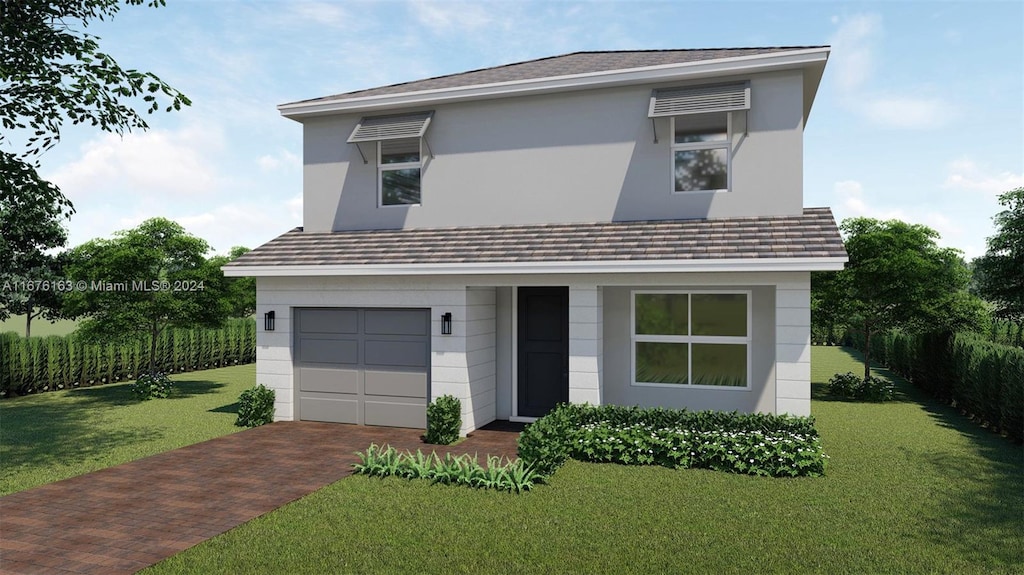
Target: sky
x,y
918,117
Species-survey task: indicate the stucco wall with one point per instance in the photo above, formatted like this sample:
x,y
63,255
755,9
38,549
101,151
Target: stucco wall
x,y
570,157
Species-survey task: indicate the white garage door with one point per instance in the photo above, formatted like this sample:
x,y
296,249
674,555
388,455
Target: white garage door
x,y
365,366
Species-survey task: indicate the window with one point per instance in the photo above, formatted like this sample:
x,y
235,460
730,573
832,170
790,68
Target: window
x,y
691,339
700,152
398,170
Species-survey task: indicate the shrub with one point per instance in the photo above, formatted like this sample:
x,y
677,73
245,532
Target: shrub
x,y
853,386
501,474
544,444
152,385
444,419
750,452
255,406
754,443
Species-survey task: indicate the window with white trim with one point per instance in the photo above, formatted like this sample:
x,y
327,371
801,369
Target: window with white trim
x,y
691,339
398,172
701,152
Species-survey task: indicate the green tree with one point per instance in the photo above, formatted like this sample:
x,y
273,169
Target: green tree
x,y
898,277
999,274
240,295
143,281
51,72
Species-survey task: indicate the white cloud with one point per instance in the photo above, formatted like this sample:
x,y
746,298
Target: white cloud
x,y
324,13
248,224
853,61
281,160
854,204
853,48
153,163
907,112
965,174
441,17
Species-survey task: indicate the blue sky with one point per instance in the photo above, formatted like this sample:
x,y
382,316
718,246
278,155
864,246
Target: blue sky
x,y
919,115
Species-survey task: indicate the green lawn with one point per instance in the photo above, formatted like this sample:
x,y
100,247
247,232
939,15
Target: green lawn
x,y
912,487
56,435
40,327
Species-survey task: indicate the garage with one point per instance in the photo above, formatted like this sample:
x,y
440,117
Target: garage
x,y
366,366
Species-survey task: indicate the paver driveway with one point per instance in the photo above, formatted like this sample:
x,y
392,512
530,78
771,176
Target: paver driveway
x,y
125,518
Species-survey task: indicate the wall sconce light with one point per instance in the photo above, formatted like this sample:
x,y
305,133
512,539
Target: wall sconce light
x,y
446,323
268,321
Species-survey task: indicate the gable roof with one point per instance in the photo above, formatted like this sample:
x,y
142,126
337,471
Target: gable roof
x,y
597,66
808,240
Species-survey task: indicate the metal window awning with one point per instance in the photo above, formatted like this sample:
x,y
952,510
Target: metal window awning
x,y
733,97
700,100
391,127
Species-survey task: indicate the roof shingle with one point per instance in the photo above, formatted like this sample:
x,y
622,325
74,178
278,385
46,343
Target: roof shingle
x,y
564,65
813,234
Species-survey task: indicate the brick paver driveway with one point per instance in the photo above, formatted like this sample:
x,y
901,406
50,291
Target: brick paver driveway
x,y
125,518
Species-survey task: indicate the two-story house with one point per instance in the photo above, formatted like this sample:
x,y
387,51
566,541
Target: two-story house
x,y
603,227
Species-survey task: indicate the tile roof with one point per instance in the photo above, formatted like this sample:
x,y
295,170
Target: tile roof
x,y
564,65
811,235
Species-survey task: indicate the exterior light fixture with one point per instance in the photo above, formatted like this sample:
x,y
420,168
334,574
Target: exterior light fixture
x,y
446,323
268,321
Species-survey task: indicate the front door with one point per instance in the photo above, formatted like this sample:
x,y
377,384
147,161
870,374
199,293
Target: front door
x,y
543,349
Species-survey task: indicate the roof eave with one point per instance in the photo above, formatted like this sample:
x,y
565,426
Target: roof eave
x,y
790,264
808,58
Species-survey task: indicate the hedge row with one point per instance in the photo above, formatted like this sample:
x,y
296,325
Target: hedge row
x,y
984,379
36,364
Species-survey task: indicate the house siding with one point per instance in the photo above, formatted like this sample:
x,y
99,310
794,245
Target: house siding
x,y
503,161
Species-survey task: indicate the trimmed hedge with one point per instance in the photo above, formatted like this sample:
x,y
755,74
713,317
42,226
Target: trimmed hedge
x,y
982,378
37,364
753,443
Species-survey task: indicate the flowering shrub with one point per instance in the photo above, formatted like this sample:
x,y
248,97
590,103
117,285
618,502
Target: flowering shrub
x,y
855,387
152,385
752,443
755,452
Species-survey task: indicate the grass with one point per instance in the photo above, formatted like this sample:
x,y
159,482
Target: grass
x,y
40,327
61,434
912,487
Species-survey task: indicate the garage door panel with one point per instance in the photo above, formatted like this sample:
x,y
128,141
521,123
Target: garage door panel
x,y
321,350
396,322
395,414
329,380
364,366
396,384
329,321
332,409
396,353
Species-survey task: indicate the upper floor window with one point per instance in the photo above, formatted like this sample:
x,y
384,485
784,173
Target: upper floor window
x,y
700,152
399,139
700,119
398,172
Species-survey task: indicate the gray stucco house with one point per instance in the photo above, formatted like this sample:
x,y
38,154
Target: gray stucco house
x,y
603,227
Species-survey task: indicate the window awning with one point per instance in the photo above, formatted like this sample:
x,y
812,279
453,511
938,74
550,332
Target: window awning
x,y
393,127
700,99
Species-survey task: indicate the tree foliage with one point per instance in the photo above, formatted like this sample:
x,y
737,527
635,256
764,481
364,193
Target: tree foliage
x,y
897,277
143,281
240,293
51,71
1000,272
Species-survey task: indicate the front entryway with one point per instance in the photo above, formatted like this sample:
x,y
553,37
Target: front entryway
x,y
543,349
365,366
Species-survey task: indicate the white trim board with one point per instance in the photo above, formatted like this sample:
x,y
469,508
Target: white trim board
x,y
493,268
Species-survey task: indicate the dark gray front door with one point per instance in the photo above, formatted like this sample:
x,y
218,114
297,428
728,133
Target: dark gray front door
x,y
543,349
366,366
